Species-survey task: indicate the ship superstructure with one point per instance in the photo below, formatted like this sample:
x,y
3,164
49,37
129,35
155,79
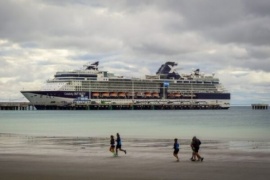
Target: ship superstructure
x,y
90,85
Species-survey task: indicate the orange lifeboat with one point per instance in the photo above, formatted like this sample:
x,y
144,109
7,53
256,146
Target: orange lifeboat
x,y
155,94
171,95
147,94
95,94
122,94
177,95
113,94
105,94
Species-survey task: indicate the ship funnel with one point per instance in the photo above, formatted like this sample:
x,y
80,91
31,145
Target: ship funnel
x,y
93,66
168,69
197,72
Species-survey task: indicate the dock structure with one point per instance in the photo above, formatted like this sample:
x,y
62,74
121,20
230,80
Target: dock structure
x,y
259,106
19,106
129,107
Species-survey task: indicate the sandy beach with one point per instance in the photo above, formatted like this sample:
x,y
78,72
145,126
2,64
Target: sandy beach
x,y
26,157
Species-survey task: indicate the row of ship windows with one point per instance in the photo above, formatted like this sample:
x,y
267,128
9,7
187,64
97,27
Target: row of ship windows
x,y
170,81
145,90
79,88
117,88
52,95
140,80
138,88
148,83
150,86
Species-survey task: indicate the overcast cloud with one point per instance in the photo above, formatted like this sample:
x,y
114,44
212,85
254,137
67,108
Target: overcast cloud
x,y
133,38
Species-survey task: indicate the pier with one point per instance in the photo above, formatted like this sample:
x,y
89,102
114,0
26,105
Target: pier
x,y
130,107
259,106
24,106
19,106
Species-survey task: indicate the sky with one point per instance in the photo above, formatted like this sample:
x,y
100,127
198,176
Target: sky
x,y
132,38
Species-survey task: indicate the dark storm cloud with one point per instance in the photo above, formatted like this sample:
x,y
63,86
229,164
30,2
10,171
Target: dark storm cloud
x,y
257,8
260,52
55,23
253,32
239,21
18,22
226,21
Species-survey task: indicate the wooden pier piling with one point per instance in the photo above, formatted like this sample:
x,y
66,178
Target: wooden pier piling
x,y
16,106
259,106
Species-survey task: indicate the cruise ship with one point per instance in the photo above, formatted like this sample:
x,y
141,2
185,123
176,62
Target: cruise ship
x,y
93,86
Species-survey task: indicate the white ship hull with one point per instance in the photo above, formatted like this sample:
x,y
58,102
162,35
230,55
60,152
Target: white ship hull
x,y
37,99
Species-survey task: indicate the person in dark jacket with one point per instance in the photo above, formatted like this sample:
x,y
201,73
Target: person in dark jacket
x,y
119,144
195,146
193,157
176,149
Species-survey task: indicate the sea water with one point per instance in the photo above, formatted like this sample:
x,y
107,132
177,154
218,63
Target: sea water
x,y
237,123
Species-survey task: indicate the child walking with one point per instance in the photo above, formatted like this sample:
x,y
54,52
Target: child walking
x,y
176,149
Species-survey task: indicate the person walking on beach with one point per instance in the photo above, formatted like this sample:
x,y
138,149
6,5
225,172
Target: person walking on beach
x,y
176,149
119,144
193,156
195,146
112,147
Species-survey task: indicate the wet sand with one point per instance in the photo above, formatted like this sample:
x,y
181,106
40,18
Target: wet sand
x,y
25,157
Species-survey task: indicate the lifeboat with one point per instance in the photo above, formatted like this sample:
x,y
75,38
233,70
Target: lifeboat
x,y
122,94
105,94
147,94
171,95
95,94
113,94
177,95
155,94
